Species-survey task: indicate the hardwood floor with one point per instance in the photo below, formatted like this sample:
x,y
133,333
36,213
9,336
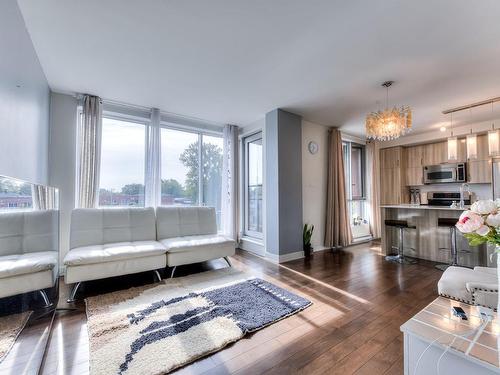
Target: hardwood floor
x,y
359,302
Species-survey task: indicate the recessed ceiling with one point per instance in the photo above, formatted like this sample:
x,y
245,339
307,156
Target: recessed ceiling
x,y
232,61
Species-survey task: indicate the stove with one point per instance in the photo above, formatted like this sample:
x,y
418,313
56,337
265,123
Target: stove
x,y
446,198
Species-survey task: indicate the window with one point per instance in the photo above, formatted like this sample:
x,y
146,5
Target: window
x,y
122,163
253,185
354,164
183,182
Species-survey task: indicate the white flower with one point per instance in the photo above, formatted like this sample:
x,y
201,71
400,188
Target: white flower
x,y
484,207
497,202
493,220
469,222
483,230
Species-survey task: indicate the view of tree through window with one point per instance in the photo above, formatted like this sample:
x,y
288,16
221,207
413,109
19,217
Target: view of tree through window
x,y
14,194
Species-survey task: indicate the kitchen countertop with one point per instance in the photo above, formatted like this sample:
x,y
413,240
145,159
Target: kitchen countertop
x,y
423,207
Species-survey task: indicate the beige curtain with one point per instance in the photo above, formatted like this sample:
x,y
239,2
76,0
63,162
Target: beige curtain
x,y
338,230
43,197
89,151
230,201
373,163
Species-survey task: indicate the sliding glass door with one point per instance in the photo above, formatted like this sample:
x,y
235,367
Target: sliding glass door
x,y
253,178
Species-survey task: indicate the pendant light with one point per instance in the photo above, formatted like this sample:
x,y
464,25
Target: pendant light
x,y
452,142
471,141
493,138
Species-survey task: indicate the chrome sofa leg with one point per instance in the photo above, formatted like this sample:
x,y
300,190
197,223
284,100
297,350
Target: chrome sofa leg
x,y
45,298
157,275
72,295
228,262
172,273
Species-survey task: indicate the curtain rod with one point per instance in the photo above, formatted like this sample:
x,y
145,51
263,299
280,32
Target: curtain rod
x,y
477,104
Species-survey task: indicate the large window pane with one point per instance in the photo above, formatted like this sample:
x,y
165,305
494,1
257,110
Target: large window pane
x,y
212,173
179,167
253,188
122,163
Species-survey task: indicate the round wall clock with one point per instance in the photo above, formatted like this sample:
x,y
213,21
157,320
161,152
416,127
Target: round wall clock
x,y
313,147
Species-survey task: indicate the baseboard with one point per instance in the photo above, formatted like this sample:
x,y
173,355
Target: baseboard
x,y
275,258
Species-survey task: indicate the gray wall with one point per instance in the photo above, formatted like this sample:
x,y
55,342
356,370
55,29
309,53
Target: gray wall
x,y
24,101
62,158
283,166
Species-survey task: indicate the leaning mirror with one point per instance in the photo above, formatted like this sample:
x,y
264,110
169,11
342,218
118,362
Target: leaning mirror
x,y
29,271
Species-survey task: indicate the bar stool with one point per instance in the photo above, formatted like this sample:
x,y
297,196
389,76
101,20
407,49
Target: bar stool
x,y
449,223
401,225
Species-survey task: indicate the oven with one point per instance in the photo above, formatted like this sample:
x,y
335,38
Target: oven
x,y
445,173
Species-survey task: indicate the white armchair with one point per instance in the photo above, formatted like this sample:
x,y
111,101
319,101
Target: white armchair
x,y
478,286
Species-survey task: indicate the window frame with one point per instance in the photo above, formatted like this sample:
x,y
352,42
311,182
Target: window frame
x,y
245,191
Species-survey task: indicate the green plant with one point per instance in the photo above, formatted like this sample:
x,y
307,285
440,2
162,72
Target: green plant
x,y
307,235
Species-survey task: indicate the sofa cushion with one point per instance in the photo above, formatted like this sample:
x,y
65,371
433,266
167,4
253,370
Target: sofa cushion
x,y
112,252
97,226
28,231
193,243
21,264
453,282
185,221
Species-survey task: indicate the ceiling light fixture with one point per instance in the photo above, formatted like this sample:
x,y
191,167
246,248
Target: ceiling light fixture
x,y
471,141
442,129
389,123
452,142
493,138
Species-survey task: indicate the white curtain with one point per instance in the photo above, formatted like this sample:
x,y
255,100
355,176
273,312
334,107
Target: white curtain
x,y
372,161
153,161
44,197
89,151
230,182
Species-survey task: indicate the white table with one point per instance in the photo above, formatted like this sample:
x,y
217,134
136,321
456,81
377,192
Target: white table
x,y
437,322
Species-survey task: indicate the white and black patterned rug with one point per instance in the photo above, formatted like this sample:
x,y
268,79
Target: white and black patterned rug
x,y
158,328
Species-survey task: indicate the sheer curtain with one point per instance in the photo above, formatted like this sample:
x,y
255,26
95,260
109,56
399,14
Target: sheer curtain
x,y
43,197
89,151
372,162
153,161
338,230
230,182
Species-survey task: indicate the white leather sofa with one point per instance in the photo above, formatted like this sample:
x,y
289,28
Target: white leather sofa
x,y
189,235
107,242
28,252
478,286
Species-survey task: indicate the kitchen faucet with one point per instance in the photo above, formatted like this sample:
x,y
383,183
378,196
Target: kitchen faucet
x,y
463,187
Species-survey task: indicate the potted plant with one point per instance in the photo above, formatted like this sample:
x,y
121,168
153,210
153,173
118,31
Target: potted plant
x,y
306,238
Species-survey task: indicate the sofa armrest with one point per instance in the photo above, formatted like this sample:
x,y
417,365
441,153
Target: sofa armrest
x,y
489,270
487,287
484,294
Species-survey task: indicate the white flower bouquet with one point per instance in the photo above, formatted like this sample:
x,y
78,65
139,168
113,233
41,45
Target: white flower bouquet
x,y
481,223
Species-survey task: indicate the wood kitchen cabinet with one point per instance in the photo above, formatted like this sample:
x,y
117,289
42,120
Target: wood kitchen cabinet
x,y
414,176
414,156
435,153
391,176
479,171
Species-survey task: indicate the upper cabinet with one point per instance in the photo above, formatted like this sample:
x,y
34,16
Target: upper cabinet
x,y
435,153
479,169
390,157
391,176
414,156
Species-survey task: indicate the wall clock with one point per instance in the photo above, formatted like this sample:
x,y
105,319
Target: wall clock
x,y
313,147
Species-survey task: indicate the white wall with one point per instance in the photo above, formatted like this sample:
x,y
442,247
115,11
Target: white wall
x,y
62,158
314,176
24,101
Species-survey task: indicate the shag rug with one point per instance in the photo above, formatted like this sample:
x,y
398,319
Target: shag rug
x,y
158,328
10,328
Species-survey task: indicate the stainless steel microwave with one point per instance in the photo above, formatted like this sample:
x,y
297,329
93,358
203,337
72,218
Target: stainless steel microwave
x,y
445,173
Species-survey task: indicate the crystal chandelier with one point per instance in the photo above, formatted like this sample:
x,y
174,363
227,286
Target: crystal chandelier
x,y
389,123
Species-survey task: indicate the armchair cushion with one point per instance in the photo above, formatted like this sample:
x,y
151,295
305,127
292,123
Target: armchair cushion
x,y
22,264
464,284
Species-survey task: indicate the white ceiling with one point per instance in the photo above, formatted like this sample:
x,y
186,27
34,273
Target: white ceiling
x,y
231,61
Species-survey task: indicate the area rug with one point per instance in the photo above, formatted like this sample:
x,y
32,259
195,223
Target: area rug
x,y
10,328
158,328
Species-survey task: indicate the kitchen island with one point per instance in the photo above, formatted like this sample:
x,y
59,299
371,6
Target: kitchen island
x,y
428,241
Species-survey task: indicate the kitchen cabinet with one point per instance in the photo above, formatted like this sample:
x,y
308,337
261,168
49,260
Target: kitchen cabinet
x,y
391,176
479,171
435,153
414,176
414,156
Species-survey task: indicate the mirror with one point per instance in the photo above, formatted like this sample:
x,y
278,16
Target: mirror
x,y
29,272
